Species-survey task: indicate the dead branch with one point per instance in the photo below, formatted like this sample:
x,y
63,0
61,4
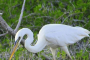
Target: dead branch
x,y
20,18
3,34
6,27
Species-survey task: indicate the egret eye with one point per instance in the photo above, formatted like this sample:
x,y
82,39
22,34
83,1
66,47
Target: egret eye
x,y
25,37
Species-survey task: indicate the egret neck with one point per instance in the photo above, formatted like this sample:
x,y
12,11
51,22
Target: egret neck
x,y
37,47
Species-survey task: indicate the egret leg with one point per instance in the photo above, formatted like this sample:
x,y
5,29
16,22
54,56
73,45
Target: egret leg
x,y
66,50
53,52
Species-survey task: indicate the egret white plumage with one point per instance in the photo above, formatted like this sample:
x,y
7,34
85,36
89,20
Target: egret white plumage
x,y
52,35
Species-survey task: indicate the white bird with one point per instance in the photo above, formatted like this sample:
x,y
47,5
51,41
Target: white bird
x,y
52,35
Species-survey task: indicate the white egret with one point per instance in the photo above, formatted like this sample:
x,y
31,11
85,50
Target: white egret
x,y
52,35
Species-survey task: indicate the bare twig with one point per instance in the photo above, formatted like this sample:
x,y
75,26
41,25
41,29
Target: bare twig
x,y
46,57
63,15
31,15
72,4
45,17
76,20
71,15
3,34
20,18
16,5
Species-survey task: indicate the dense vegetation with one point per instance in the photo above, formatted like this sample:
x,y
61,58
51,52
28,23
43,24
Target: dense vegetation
x,y
38,13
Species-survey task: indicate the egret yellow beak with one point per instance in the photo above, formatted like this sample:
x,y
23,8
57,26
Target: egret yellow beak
x,y
14,50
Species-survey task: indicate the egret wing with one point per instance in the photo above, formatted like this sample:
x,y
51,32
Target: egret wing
x,y
66,36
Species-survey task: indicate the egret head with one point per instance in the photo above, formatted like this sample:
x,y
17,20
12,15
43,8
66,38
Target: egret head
x,y
21,37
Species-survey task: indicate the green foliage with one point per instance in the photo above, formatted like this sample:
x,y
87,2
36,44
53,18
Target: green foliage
x,y
82,55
